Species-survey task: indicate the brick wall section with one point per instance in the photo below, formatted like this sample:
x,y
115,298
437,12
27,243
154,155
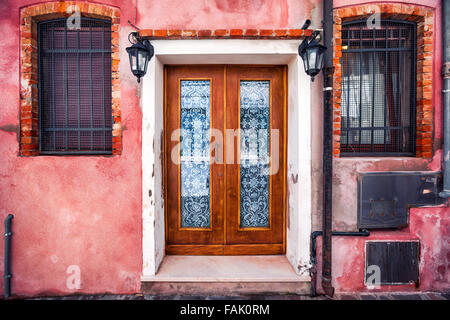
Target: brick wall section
x,y
158,34
424,18
29,17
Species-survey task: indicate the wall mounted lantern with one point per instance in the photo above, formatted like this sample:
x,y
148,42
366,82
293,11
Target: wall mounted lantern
x,y
312,53
140,54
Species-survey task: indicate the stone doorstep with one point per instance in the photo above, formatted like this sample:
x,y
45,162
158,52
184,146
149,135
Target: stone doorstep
x,y
225,275
171,288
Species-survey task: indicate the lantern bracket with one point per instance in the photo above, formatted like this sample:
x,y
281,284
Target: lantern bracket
x,y
309,39
134,38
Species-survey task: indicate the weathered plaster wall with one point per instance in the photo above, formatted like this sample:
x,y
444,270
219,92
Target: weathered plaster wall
x,y
81,210
87,211
344,180
345,169
429,225
217,14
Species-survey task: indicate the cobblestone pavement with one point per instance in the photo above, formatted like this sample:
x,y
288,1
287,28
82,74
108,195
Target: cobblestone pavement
x,y
340,296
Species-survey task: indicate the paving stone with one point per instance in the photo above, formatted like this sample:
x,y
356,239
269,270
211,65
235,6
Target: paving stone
x,y
424,296
348,297
384,297
368,297
446,295
435,296
189,298
406,296
176,297
339,296
230,298
74,297
282,297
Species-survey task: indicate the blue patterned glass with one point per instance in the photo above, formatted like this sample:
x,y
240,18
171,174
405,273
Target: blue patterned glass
x,y
195,150
254,153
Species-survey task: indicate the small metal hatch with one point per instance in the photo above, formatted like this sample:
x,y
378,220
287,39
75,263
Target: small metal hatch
x,y
397,262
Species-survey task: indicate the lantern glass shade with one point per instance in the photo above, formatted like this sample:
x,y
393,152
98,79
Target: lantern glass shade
x,y
133,62
139,55
312,56
142,60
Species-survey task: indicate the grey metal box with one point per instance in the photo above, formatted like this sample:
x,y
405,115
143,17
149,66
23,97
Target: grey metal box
x,y
384,198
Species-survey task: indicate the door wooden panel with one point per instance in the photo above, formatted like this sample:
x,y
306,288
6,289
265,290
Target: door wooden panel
x,y
272,235
176,234
229,232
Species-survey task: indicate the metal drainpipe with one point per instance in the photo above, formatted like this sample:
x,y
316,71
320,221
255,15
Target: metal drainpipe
x,y
446,95
327,146
314,235
7,276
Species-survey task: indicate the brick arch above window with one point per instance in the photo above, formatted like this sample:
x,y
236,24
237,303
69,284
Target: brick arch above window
x,y
424,17
30,16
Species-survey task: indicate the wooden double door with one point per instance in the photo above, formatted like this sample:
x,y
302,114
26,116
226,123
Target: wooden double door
x,y
225,154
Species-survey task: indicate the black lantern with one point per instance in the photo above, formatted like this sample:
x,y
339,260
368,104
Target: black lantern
x,y
312,55
140,54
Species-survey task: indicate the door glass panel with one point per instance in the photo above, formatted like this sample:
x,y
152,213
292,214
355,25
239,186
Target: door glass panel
x,y
254,153
195,153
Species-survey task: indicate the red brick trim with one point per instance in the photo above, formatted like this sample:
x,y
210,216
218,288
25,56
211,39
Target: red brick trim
x,y
29,16
424,18
154,34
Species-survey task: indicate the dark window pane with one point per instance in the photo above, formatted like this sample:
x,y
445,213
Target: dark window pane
x,y
378,89
75,87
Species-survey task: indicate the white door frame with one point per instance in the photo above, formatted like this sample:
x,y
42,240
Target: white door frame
x,y
299,193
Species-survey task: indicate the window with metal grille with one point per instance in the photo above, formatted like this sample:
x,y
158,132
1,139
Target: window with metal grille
x,y
75,113
378,102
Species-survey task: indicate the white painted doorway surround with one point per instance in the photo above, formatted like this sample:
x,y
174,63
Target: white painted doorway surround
x,y
298,138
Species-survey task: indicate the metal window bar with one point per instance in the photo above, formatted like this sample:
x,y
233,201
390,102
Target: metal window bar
x,y
53,89
385,85
360,88
103,86
386,93
348,97
90,83
75,87
66,91
373,94
79,89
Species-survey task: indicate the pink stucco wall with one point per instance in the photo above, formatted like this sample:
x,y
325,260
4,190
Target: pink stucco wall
x,y
86,210
429,225
80,210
